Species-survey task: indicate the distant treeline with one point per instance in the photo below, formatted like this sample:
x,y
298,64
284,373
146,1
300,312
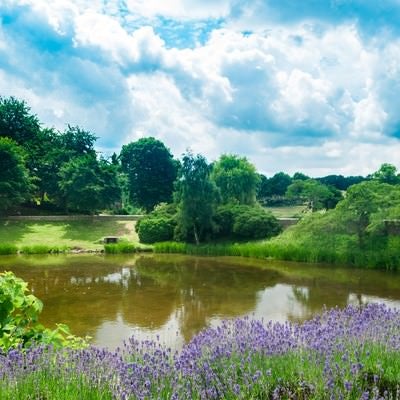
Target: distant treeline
x,y
60,171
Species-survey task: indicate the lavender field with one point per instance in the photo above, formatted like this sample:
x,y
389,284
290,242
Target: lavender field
x,y
351,353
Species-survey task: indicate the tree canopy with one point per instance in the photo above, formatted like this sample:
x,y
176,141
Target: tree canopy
x,y
236,178
14,178
151,172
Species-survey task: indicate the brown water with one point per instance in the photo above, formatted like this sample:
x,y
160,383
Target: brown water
x,y
112,297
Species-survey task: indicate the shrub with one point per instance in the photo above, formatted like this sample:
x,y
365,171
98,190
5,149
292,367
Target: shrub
x,y
156,229
158,226
19,315
246,222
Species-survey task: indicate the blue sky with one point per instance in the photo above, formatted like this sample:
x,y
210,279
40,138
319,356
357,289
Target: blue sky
x,y
309,86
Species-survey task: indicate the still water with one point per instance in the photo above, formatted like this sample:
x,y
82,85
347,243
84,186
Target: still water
x,y
173,297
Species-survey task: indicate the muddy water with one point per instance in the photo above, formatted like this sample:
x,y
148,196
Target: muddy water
x,y
173,297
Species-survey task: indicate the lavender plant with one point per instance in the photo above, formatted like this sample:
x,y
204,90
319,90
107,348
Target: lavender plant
x,y
352,353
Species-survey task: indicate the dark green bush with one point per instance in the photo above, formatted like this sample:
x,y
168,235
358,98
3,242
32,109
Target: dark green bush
x,y
157,226
155,229
245,222
255,223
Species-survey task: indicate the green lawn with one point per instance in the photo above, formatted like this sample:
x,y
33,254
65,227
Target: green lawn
x,y
75,234
287,212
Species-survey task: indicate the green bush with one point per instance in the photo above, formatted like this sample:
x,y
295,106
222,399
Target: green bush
x,y
156,229
158,226
245,222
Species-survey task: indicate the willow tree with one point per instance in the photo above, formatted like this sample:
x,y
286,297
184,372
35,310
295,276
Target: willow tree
x,y
236,178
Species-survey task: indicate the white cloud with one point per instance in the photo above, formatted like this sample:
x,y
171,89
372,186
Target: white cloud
x,y
291,98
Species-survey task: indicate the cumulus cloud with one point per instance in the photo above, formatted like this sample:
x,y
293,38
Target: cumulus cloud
x,y
291,97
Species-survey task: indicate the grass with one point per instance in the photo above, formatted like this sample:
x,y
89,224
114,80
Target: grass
x,y
7,248
279,248
287,211
125,247
56,236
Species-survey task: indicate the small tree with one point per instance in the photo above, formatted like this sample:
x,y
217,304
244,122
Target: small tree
x,y
317,195
236,178
196,197
14,179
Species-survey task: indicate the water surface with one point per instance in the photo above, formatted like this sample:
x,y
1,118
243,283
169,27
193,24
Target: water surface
x,y
112,297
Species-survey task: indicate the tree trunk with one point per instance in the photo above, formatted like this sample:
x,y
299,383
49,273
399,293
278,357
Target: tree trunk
x,y
196,236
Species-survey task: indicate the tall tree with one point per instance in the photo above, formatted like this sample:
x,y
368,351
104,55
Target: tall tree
x,y
14,179
88,185
151,172
196,196
236,178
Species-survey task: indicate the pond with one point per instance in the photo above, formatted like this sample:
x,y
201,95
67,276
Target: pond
x,y
173,297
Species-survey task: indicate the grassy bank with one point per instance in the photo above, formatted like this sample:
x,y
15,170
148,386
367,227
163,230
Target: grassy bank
x,y
349,354
290,249
39,237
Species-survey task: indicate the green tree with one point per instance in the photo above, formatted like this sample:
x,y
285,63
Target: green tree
x,y
88,185
151,172
317,195
15,184
196,197
236,178
299,176
17,122
361,202
278,184
387,173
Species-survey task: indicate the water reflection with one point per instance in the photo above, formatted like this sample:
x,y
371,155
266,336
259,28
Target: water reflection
x,y
111,298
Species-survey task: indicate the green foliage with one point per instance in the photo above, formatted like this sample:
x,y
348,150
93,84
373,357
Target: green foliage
x,y
255,223
317,195
245,222
43,249
196,197
156,229
89,185
14,180
236,178
159,225
387,173
151,172
7,248
19,313
16,121
122,248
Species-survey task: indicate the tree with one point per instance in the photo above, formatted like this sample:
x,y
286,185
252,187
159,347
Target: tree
x,y
361,201
299,176
196,197
15,184
88,185
236,179
16,121
317,195
387,173
278,184
151,172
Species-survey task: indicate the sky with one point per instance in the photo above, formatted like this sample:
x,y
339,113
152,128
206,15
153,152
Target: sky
x,y
293,85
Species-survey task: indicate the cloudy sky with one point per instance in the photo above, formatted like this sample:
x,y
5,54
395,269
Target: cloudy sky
x,y
310,85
